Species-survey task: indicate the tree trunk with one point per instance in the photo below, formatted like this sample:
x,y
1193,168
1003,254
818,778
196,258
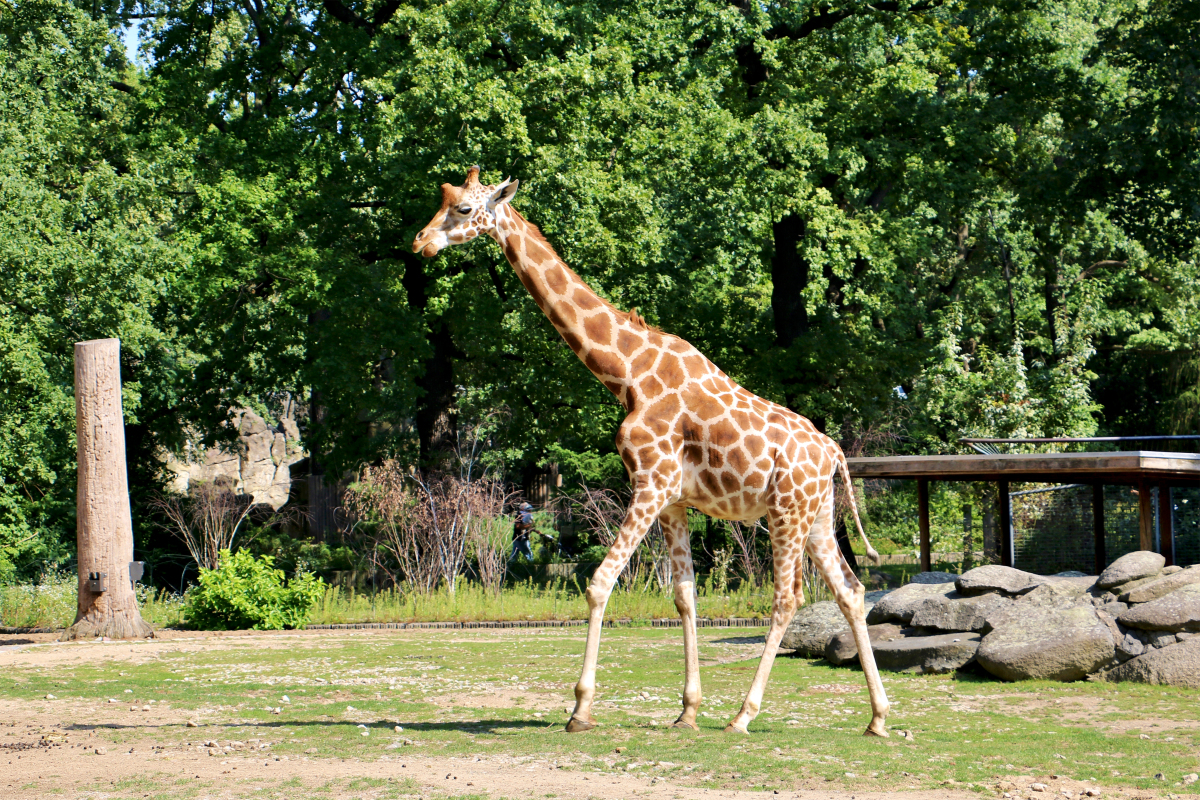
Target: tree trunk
x,y
105,529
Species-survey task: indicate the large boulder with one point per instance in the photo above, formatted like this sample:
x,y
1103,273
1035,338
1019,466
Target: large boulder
x,y
926,654
933,577
812,628
995,578
814,625
1177,611
953,612
1176,665
842,649
901,604
1062,644
1162,586
1131,567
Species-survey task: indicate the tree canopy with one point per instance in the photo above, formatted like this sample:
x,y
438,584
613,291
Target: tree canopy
x,y
942,217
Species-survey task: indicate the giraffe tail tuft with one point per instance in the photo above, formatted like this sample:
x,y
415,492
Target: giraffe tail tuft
x,y
844,469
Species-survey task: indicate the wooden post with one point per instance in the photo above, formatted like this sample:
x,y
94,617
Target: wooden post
x,y
1166,527
1098,526
1145,517
1006,543
923,523
107,606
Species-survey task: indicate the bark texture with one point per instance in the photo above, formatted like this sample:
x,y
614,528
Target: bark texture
x,y
105,528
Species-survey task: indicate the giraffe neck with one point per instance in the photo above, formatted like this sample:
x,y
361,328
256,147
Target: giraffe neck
x,y
597,332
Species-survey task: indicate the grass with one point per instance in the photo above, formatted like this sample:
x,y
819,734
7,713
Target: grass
x,y
527,601
51,602
506,694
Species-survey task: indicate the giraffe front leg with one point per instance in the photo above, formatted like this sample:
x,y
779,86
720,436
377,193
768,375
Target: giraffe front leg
x,y
646,505
783,608
679,550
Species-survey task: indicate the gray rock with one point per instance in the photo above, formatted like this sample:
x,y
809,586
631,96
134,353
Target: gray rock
x,y
1162,585
1156,640
1115,608
995,578
812,628
1177,611
1114,630
1177,665
1126,588
1171,570
927,654
1131,567
1056,594
842,649
934,577
814,625
901,604
1056,644
953,612
1130,647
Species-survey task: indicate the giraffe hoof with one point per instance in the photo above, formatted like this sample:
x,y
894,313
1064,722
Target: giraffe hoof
x,y
683,725
873,731
575,725
731,728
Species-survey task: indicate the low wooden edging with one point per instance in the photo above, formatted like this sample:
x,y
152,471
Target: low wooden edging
x,y
732,622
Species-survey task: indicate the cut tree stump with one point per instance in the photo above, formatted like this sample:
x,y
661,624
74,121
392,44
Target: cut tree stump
x,y
105,528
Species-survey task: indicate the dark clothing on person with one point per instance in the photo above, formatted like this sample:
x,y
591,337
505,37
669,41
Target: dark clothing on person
x,y
522,527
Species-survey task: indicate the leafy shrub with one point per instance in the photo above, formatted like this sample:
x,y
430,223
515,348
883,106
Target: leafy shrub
x,y
245,592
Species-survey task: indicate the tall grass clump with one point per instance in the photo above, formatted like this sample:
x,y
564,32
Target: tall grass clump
x,y
48,602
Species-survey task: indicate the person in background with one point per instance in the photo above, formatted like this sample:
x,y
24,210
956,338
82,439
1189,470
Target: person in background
x,y
522,528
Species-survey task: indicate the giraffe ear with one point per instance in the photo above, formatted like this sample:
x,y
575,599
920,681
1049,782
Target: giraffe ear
x,y
504,192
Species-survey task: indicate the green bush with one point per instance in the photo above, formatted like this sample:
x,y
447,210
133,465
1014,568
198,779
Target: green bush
x,y
245,592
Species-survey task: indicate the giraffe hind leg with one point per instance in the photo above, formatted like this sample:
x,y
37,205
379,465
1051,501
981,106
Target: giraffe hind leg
x,y
849,593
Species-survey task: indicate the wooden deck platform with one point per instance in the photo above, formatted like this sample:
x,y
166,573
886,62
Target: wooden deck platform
x,y
1142,469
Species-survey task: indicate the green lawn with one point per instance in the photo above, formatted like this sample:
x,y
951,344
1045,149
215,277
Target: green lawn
x,y
459,693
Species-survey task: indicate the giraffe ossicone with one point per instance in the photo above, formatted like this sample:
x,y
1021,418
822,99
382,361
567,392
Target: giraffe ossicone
x,y
692,438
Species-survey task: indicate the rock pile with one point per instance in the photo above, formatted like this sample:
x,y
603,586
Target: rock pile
x,y
1138,621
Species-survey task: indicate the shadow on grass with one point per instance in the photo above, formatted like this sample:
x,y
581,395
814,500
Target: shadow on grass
x,y
473,726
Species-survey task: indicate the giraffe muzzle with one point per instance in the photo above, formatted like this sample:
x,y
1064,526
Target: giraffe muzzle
x,y
426,244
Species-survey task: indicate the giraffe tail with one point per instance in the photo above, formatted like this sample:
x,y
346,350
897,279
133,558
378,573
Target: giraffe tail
x,y
844,469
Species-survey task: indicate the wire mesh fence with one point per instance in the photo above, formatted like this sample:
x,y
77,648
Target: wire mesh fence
x,y
1053,525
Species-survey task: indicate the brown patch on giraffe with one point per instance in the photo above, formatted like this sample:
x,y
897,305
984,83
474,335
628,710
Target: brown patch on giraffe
x,y
694,364
538,251
738,461
671,371
715,459
692,453
599,329
666,408
722,433
556,279
755,480
679,345
754,445
601,362
585,299
643,362
703,406
730,483
616,388
741,419
628,342
638,437
661,427
573,341
650,387
710,482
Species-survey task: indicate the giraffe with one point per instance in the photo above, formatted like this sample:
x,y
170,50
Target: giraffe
x,y
692,438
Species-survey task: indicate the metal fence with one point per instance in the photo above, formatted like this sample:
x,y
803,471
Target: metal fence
x,y
1053,525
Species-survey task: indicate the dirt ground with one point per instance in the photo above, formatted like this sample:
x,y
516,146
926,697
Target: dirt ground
x,y
53,749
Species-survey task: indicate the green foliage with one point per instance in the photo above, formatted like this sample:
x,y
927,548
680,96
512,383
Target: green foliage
x,y
247,592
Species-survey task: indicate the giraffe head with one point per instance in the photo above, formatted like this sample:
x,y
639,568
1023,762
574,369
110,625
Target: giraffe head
x,y
466,212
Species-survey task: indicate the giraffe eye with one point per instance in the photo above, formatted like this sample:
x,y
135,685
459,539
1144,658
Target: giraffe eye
x,y
464,210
